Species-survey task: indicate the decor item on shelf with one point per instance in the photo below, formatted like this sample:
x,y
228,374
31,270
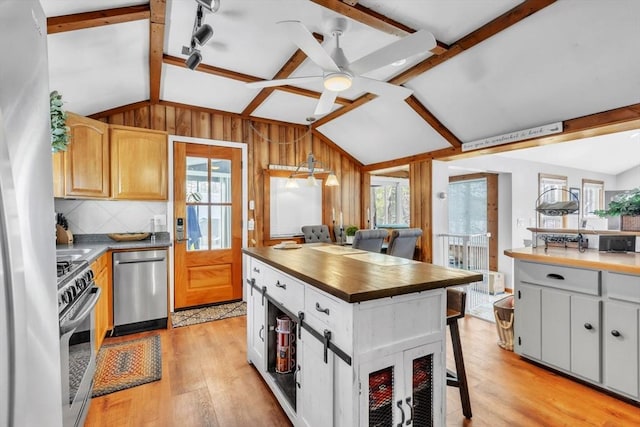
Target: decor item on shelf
x,y
350,232
60,136
200,34
555,202
627,206
309,168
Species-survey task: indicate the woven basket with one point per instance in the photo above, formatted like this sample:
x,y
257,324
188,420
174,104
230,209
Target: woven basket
x,y
630,223
503,311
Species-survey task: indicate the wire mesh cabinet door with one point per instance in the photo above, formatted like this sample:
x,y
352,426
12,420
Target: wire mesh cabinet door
x,y
404,388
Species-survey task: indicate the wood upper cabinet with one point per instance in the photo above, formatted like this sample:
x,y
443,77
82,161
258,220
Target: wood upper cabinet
x,y
139,163
83,169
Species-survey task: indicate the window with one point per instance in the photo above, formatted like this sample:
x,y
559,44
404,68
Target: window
x,y
551,188
468,206
390,201
592,197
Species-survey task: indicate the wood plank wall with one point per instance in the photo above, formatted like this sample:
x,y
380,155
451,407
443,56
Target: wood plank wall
x,y
268,143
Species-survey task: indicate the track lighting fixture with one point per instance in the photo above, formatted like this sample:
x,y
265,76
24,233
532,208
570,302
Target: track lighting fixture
x,y
194,59
200,34
209,5
203,34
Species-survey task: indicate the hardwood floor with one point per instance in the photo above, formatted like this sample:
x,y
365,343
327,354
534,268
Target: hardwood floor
x,y
206,381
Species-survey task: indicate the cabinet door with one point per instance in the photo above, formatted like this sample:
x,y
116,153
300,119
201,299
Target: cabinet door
x,y
620,336
86,160
138,164
379,391
585,337
58,174
256,318
555,323
527,324
103,307
316,383
423,386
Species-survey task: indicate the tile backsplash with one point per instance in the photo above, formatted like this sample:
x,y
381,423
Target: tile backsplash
x,y
105,216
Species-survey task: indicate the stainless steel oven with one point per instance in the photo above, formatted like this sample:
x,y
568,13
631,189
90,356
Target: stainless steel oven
x,y
77,297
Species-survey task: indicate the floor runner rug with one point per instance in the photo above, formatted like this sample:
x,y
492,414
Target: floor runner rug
x,y
208,314
127,364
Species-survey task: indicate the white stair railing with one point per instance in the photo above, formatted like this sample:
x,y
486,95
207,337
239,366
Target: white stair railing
x,y
469,252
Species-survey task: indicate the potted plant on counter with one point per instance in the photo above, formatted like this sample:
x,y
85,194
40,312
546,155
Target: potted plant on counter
x,y
627,206
349,232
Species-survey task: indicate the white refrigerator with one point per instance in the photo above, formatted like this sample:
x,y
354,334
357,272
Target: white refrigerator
x,y
30,383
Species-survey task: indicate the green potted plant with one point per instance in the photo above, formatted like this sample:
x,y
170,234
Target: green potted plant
x,y
60,137
627,206
349,232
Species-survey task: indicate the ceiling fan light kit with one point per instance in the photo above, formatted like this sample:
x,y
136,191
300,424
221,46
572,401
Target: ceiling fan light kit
x,y
311,165
338,74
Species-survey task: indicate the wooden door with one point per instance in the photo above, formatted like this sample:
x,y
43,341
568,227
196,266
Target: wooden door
x,y
208,199
138,163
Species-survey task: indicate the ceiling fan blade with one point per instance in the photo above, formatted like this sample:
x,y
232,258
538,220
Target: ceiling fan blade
x,y
282,82
302,37
382,88
418,42
325,104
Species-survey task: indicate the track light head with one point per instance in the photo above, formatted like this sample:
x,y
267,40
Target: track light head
x,y
203,34
210,5
194,59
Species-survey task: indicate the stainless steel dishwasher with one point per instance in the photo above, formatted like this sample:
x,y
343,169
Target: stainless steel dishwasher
x,y
139,291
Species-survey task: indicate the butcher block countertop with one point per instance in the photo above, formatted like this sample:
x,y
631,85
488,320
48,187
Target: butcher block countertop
x,y
354,275
619,262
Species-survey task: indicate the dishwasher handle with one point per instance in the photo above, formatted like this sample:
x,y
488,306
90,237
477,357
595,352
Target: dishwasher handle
x,y
138,261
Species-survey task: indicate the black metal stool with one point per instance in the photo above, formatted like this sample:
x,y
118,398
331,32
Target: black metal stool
x,y
456,302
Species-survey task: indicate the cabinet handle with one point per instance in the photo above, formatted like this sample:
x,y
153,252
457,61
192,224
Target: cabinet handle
x,y
260,333
408,400
281,285
588,326
296,376
322,310
555,276
399,403
615,333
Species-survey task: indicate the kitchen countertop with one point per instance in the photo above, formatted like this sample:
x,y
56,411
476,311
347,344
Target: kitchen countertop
x,y
619,262
354,275
99,244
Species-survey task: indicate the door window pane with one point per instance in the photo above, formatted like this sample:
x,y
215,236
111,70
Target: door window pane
x,y
197,180
220,227
197,227
220,181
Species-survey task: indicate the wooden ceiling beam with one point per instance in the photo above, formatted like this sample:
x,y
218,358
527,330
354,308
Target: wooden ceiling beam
x,y
246,78
603,123
156,47
428,117
99,18
287,69
368,17
344,110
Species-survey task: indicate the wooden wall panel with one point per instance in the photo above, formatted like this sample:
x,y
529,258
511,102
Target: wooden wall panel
x,y
268,144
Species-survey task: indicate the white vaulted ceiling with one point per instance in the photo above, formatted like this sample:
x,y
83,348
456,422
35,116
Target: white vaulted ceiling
x,y
570,59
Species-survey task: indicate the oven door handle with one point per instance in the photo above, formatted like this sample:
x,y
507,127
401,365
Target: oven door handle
x,y
79,318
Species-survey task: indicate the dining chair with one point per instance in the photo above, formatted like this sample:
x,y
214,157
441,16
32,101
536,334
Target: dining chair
x,y
456,306
402,243
316,233
369,240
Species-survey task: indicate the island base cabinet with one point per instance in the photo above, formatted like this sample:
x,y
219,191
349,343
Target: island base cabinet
x,y
528,328
621,347
585,337
555,309
402,388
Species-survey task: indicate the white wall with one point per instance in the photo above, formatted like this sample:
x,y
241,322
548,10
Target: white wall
x,y
628,180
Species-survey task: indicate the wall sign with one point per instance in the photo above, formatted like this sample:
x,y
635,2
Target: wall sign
x,y
519,135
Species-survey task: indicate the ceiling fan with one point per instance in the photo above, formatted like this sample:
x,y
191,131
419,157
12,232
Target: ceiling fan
x,y
338,73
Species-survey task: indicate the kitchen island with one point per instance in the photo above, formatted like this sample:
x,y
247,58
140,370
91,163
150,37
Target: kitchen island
x,y
579,313
366,339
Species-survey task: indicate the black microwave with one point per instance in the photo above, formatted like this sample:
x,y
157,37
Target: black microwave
x,y
617,243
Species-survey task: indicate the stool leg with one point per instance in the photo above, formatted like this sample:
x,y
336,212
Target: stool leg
x,y
460,371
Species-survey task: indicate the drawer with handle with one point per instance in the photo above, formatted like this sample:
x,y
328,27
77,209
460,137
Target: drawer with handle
x,y
284,289
560,277
324,312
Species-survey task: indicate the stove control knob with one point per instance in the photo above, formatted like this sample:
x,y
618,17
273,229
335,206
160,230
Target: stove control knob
x,y
63,299
70,294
